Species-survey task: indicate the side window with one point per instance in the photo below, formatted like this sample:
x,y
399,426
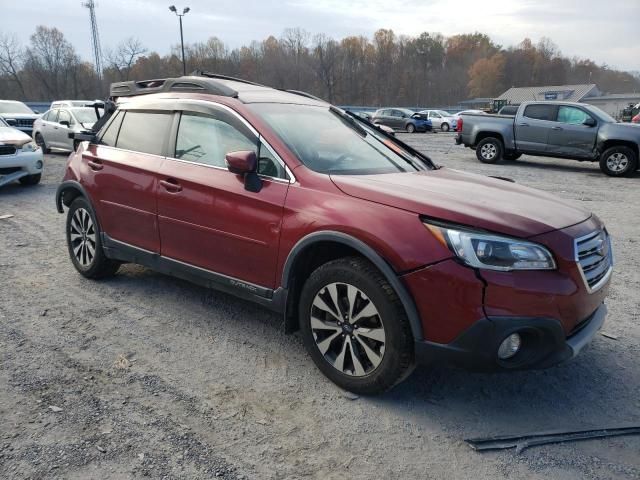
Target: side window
x,y
540,112
64,116
111,133
572,115
144,132
204,139
268,165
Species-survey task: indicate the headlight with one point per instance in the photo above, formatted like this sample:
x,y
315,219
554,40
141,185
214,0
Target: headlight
x,y
493,252
30,147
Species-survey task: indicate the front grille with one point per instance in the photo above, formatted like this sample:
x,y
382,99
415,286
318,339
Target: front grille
x,y
595,258
9,170
7,150
25,122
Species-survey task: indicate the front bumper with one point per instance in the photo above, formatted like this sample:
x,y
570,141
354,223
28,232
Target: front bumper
x,y
20,164
544,343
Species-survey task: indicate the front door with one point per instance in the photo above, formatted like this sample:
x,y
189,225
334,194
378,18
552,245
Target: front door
x,y
122,176
572,135
533,126
207,218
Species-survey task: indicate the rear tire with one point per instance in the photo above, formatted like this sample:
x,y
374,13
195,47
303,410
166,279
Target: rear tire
x,y
31,179
354,327
444,127
619,161
84,242
411,128
489,150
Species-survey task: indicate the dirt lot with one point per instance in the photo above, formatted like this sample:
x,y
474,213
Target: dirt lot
x,y
153,377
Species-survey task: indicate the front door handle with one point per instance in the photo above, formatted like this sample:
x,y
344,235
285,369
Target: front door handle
x,y
171,185
556,128
523,124
95,165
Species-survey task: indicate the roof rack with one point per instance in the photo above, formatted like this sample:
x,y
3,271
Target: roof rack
x,y
181,84
203,73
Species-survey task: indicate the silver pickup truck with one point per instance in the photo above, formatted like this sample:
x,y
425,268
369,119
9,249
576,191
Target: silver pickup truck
x,y
554,129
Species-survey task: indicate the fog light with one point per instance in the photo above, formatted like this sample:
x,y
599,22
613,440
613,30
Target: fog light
x,y
509,346
39,164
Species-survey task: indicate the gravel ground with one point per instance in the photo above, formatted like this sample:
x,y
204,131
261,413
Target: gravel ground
x,y
145,375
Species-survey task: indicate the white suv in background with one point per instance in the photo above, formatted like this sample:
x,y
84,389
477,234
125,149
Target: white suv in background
x,y
20,157
18,115
441,119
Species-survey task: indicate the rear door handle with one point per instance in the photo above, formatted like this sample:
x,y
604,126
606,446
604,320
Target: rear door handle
x,y
556,128
523,124
95,165
171,185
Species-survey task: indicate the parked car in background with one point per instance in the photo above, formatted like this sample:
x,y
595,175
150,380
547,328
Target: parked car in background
x,y
636,119
380,258
20,158
440,119
402,119
510,110
554,129
18,115
466,112
72,103
53,128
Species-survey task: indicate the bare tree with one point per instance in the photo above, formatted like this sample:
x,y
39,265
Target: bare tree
x,y
12,60
125,56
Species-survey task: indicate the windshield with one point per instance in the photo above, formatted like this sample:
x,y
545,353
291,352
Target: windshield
x,y
14,107
86,115
328,142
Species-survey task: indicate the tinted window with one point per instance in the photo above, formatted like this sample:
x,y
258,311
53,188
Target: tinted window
x,y
207,140
111,133
268,165
572,115
144,132
540,112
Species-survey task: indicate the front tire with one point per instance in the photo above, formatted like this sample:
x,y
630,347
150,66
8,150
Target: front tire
x,y
354,327
619,161
31,179
489,150
84,242
411,128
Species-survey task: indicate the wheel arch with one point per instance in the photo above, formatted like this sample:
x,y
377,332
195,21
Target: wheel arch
x,y
607,144
318,248
67,192
482,135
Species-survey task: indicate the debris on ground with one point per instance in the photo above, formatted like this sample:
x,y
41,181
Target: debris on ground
x,y
55,409
4,217
609,335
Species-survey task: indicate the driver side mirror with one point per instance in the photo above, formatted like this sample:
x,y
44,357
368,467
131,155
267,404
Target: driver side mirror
x,y
245,163
589,122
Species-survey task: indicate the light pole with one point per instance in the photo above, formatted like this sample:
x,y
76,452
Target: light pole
x,y
180,15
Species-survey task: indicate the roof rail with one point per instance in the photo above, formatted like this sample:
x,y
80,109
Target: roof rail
x,y
181,84
305,94
203,73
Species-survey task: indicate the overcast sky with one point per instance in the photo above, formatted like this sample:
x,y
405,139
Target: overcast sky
x,y
605,31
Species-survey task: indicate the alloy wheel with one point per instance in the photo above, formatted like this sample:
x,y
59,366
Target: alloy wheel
x,y
488,151
347,329
617,162
83,237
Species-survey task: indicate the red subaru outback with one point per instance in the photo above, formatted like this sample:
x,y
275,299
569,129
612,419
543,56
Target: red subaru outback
x,y
380,258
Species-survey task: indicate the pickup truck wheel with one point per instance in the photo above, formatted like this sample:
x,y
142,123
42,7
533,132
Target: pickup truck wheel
x,y
411,128
444,127
489,150
618,161
354,327
85,244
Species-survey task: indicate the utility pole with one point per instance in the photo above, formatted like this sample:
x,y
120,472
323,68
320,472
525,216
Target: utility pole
x,y
184,12
95,36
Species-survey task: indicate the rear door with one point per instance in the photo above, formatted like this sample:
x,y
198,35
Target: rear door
x,y
49,121
532,127
570,136
122,176
207,218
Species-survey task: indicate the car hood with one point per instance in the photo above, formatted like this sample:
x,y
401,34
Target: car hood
x,y
13,136
463,198
28,116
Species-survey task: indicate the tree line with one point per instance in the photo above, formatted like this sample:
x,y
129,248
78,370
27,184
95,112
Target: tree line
x,y
386,69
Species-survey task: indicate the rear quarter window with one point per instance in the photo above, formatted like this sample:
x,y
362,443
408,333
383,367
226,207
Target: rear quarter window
x,y
540,112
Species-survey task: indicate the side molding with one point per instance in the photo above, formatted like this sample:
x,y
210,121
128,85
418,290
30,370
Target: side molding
x,y
372,256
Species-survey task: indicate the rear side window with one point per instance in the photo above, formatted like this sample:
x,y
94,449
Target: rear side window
x,y
111,133
144,132
64,116
540,112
